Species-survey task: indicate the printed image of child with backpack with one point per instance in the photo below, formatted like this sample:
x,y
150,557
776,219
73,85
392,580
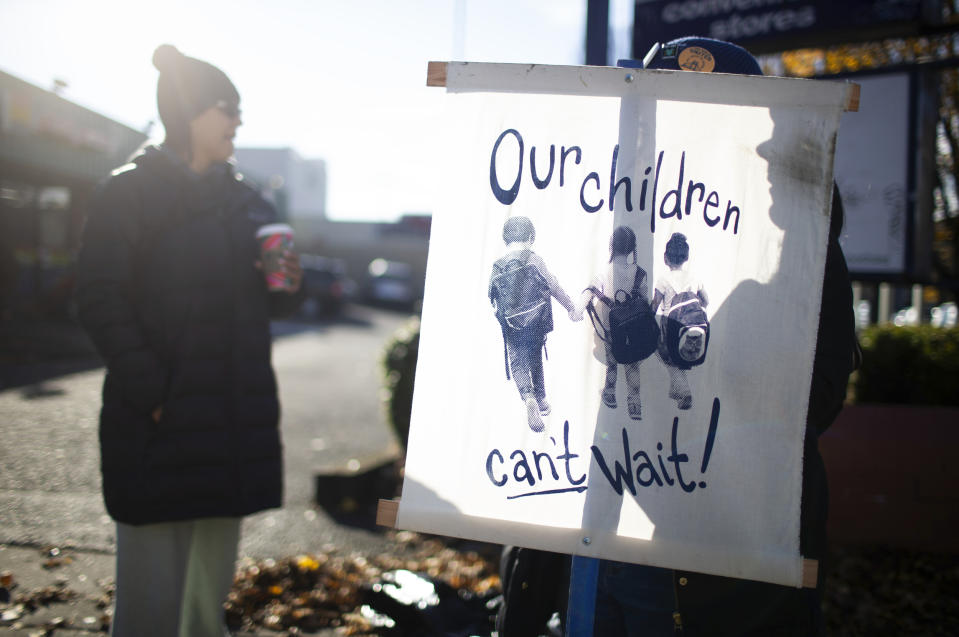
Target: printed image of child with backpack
x,y
679,300
521,289
624,321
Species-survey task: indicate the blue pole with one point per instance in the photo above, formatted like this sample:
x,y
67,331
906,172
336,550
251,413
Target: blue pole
x,y
583,576
597,32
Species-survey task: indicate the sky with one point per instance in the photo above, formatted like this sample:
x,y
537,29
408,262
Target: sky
x,y
338,80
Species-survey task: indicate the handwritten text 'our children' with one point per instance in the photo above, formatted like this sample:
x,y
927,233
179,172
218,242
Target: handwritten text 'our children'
x,y
677,203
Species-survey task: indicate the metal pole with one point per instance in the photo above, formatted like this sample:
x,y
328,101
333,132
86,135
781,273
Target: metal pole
x,y
885,303
583,576
856,303
597,32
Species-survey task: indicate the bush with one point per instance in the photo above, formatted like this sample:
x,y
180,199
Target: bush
x,y
916,365
399,369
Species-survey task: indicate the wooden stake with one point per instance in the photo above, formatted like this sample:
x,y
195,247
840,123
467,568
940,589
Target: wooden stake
x,y
852,104
436,74
386,512
810,573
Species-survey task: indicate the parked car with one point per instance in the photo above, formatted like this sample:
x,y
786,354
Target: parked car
x,y
391,283
328,288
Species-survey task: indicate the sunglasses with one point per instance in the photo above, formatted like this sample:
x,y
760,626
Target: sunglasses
x,y
229,109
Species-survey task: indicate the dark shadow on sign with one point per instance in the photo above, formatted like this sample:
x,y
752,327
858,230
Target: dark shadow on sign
x,y
418,492
791,153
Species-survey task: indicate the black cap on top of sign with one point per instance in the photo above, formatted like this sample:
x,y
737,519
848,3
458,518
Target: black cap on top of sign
x,y
694,53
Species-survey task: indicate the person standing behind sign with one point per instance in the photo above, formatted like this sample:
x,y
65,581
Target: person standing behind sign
x,y
521,289
632,599
171,291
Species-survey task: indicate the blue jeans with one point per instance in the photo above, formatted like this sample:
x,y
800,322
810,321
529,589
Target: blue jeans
x,y
633,600
526,365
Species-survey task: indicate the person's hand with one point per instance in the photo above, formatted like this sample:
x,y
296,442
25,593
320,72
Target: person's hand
x,y
292,269
576,314
156,414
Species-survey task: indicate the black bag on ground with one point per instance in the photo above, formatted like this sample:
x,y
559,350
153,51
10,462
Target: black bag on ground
x,y
423,606
686,331
633,332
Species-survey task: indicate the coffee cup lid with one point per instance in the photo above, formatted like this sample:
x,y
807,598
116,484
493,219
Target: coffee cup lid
x,y
274,228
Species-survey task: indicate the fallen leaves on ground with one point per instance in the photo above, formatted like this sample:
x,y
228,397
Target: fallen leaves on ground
x,y
870,591
323,590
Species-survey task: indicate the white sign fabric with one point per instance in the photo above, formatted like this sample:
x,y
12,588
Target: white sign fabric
x,y
712,193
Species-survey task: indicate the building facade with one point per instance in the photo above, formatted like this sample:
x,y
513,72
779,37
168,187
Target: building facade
x,y
52,154
296,186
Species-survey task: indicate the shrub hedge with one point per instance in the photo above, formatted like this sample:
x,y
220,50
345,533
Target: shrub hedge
x,y
399,368
916,365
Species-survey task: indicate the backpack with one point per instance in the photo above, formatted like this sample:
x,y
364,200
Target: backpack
x,y
522,298
686,331
633,332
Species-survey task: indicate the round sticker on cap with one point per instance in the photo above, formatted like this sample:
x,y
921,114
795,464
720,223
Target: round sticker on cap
x,y
696,58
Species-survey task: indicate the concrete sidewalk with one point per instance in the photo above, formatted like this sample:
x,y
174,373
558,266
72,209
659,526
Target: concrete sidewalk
x,y
59,593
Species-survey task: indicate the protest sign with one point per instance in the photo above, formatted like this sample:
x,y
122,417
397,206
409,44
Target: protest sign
x,y
694,206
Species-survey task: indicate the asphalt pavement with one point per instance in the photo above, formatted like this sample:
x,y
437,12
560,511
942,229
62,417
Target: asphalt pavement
x,y
57,542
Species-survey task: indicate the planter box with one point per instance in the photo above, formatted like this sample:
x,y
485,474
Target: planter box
x,y
893,476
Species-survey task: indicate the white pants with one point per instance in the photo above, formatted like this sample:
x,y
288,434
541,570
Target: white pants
x,y
172,578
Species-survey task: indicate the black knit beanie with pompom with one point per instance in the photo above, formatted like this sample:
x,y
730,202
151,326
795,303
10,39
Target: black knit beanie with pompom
x,y
186,88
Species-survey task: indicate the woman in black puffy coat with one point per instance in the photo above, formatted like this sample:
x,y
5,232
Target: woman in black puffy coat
x,y
171,291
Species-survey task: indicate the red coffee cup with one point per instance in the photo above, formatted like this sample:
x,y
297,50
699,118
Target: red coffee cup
x,y
275,239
